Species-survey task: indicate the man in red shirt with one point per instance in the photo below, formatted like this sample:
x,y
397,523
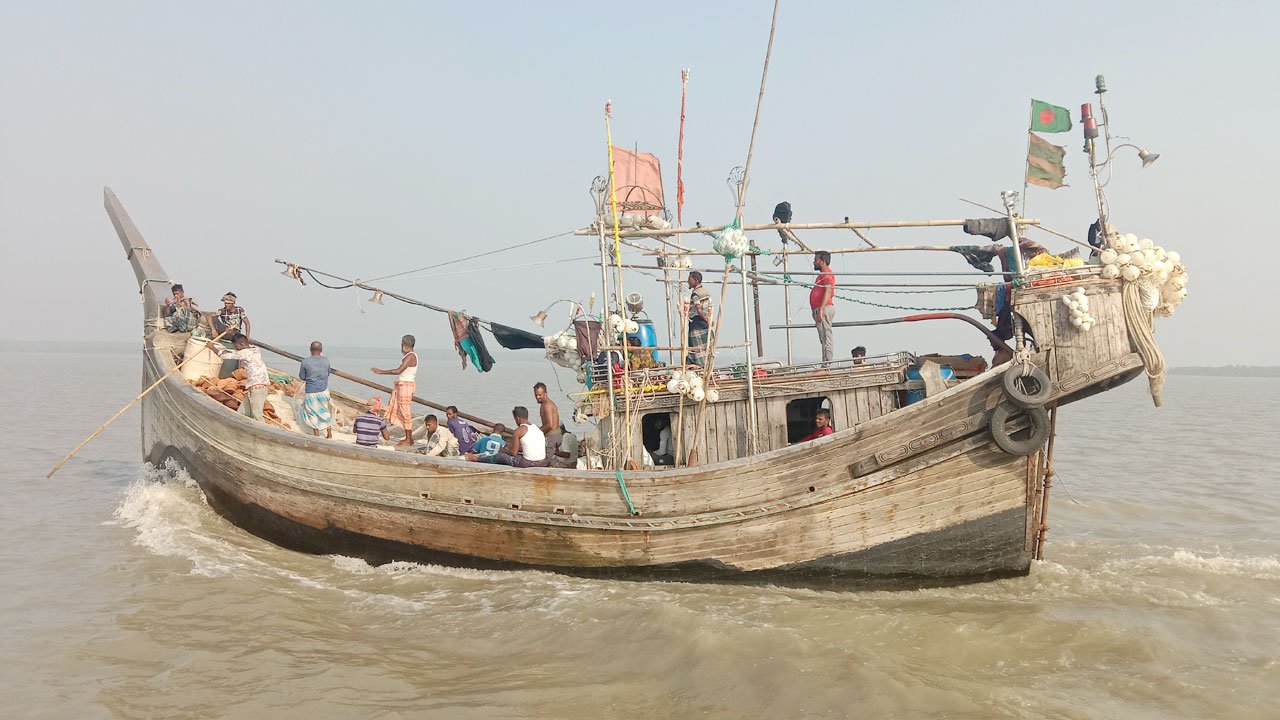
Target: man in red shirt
x,y
822,426
822,303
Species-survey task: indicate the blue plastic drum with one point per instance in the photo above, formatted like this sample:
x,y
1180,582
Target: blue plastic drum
x,y
647,335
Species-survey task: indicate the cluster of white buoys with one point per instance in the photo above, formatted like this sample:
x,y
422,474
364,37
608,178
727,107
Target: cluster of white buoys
x,y
1078,304
562,349
633,221
619,325
731,243
679,262
1160,271
689,384
563,340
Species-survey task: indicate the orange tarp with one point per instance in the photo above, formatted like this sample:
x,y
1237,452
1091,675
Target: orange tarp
x,y
639,180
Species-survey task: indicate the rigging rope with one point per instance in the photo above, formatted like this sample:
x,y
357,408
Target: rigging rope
x,y
472,257
792,281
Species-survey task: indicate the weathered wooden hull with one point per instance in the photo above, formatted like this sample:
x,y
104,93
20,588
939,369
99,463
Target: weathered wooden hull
x,y
918,496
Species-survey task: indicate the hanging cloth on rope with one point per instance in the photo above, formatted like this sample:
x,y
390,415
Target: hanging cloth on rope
x,y
473,334
459,325
516,339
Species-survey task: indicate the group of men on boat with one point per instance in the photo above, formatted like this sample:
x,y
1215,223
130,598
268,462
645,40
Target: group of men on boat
x,y
821,305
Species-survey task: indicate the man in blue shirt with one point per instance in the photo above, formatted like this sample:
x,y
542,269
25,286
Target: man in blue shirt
x,y
314,371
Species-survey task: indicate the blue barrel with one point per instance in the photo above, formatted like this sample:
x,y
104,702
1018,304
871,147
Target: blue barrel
x,y
647,335
913,373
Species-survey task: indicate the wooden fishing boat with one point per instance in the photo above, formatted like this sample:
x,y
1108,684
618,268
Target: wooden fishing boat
x,y
924,482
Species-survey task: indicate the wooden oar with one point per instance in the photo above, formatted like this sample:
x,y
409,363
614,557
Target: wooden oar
x,y
374,385
132,402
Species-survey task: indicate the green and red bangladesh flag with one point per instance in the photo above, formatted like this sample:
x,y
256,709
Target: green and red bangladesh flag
x,y
1048,118
1044,160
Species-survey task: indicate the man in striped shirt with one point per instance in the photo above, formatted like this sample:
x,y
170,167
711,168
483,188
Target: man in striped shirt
x,y
369,425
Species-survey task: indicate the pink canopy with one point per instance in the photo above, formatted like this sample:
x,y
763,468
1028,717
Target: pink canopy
x,y
639,181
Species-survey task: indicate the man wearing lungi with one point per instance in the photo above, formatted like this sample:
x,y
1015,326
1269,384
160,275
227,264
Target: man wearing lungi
x,y
314,371
400,409
699,312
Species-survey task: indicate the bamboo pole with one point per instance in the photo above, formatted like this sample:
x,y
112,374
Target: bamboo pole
x,y
131,403
708,229
376,386
699,422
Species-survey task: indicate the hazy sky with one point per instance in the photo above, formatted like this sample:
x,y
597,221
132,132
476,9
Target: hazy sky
x,y
373,138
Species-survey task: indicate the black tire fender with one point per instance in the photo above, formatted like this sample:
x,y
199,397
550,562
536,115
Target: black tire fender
x,y
1039,431
1029,391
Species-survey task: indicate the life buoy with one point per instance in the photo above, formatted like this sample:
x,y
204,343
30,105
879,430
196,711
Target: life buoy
x,y
1039,431
1027,391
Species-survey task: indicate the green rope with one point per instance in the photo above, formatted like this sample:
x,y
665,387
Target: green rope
x,y
626,495
790,280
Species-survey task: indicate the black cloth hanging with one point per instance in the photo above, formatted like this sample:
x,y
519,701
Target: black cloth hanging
x,y
994,228
473,332
515,339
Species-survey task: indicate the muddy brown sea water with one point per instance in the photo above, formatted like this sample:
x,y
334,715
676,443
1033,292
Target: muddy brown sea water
x,y
125,596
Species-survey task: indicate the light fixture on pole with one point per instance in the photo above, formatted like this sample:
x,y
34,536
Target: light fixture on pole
x,y
1146,157
540,318
377,297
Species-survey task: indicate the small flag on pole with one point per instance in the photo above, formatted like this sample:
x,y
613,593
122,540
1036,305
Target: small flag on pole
x,y
1044,162
1049,118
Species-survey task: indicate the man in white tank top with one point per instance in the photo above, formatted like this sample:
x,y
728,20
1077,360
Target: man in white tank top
x,y
528,445
400,409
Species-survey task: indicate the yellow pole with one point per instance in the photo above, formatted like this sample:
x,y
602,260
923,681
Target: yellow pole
x,y
132,402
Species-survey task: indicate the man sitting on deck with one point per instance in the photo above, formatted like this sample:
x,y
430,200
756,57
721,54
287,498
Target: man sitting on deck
x,y
314,371
464,431
487,446
822,426
180,312
440,442
528,444
369,425
567,454
256,381
859,355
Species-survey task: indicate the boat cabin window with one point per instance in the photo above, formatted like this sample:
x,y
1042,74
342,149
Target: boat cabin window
x,y
801,414
650,427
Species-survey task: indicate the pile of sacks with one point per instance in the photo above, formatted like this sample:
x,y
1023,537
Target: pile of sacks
x,y
229,392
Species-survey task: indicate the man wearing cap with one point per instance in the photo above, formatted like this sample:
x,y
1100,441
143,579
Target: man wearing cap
x,y
369,425
230,316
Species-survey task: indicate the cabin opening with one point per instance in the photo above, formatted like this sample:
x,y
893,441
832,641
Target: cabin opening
x,y
651,425
801,414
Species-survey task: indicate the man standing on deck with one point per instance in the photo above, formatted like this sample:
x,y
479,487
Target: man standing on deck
x,y
822,304
256,381
400,408
699,312
549,419
314,371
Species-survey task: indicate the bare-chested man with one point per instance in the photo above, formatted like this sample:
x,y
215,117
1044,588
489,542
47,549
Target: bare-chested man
x,y
549,419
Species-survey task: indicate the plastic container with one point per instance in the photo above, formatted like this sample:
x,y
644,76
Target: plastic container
x,y
647,335
913,373
201,361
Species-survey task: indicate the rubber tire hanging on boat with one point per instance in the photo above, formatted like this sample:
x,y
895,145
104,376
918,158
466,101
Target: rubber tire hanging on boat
x,y
1006,411
1016,386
